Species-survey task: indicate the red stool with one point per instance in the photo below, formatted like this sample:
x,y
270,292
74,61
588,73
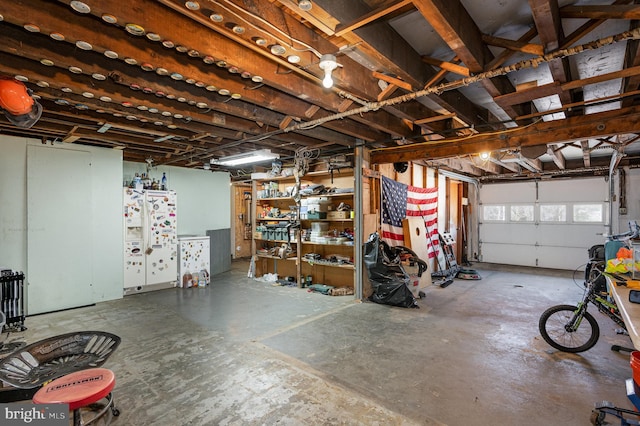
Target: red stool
x,y
80,389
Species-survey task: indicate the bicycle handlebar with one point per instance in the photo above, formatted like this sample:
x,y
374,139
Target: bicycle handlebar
x,y
634,232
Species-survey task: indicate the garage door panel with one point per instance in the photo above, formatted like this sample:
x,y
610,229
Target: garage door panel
x,y
509,233
573,190
562,257
577,236
515,192
508,254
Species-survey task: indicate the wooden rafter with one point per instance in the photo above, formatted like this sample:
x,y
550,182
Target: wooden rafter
x,y
573,128
370,17
447,66
517,46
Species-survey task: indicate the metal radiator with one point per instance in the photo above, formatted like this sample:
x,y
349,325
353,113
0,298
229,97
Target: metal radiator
x,y
12,298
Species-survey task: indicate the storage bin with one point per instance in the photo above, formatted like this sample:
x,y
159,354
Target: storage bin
x,y
319,226
317,215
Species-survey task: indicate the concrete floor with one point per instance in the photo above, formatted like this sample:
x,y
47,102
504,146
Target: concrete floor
x,y
244,352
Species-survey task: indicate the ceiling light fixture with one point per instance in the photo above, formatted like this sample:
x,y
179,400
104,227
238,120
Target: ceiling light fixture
x,y
305,5
484,155
245,158
328,64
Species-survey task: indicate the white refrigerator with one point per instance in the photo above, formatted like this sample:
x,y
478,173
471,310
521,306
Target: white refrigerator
x,y
193,261
150,240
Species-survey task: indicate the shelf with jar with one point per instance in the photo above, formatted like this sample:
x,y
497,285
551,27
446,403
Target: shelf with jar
x,y
275,228
320,228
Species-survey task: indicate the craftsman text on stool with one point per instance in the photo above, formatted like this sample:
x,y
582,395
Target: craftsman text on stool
x,y
74,383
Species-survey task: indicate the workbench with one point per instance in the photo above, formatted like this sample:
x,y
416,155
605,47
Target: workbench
x,y
630,312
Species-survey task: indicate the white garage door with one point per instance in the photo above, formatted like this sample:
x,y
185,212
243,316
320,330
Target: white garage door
x,y
549,224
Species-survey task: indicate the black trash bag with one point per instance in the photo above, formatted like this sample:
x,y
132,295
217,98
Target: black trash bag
x,y
381,261
393,293
388,278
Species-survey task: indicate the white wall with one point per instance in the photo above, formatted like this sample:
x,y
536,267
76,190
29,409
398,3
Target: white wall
x,y
632,192
106,211
204,197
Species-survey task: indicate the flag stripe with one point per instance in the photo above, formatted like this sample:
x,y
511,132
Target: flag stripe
x,y
400,201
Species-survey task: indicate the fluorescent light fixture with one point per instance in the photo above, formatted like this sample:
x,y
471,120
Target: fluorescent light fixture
x,y
245,158
328,64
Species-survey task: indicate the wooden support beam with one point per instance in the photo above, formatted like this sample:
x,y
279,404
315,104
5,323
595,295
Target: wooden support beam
x,y
392,80
447,66
517,46
556,154
370,17
586,153
601,12
387,92
345,105
311,111
71,137
506,54
434,119
596,125
285,122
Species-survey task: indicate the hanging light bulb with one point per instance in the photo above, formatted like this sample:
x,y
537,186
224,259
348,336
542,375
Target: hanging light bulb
x,y
305,5
328,64
484,156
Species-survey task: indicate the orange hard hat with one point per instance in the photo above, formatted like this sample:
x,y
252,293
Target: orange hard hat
x,y
14,97
17,104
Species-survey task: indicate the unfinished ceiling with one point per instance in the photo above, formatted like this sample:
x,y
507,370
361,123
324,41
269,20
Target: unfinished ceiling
x,y
545,88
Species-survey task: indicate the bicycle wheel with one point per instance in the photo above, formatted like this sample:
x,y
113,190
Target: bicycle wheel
x,y
553,328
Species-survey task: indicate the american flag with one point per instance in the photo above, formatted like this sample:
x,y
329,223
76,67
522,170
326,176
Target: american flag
x,y
400,201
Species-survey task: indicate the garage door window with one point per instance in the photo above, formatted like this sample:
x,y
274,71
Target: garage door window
x,y
553,213
589,213
521,213
494,213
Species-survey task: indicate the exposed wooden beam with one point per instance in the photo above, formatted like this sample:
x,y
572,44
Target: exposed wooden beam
x,y
387,92
586,153
506,54
518,46
392,80
370,17
509,166
380,47
455,26
627,72
447,66
601,12
573,128
528,95
586,28
546,17
72,136
434,119
556,88
556,154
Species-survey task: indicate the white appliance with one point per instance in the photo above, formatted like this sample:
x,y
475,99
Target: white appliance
x,y
150,240
193,261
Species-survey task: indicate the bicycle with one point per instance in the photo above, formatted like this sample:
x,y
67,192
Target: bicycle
x,y
571,328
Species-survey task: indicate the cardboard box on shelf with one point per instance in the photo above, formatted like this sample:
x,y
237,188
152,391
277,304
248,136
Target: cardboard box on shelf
x,y
338,215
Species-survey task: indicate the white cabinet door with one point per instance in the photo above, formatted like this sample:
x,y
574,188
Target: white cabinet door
x,y
59,234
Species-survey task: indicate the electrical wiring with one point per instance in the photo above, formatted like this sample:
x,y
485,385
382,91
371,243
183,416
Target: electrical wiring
x,y
307,48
